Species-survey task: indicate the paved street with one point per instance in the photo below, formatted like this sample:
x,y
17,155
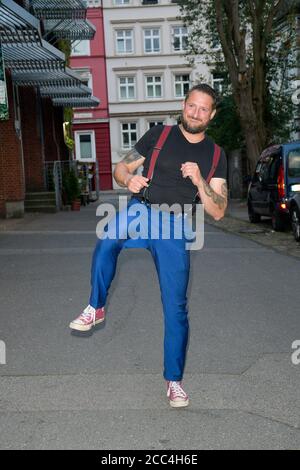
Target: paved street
x,y
104,390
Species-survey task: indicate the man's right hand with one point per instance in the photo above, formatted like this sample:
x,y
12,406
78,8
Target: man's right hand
x,y
136,182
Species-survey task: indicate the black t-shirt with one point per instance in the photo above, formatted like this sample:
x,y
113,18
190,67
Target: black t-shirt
x,y
167,184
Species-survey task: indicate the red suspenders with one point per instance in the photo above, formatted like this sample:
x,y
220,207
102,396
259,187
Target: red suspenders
x,y
217,154
159,145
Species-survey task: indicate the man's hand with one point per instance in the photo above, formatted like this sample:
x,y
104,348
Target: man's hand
x,y
136,182
192,171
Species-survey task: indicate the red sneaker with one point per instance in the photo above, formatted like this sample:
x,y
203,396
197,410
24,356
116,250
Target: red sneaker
x,y
88,318
176,394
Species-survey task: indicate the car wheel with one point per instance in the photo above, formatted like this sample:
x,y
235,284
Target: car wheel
x,y
253,217
295,219
278,224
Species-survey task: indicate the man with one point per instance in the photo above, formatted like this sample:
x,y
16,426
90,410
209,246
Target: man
x,y
184,162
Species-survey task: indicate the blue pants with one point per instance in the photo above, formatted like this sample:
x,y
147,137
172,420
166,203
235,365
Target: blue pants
x,y
172,263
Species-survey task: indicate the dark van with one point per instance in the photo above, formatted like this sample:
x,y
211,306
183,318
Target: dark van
x,y
275,186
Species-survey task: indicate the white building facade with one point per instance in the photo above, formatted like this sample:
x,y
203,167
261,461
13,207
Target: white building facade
x,y
147,72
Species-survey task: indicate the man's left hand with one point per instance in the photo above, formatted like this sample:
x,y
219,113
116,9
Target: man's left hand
x,y
192,171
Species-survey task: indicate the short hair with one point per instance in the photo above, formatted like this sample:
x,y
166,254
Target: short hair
x,y
204,88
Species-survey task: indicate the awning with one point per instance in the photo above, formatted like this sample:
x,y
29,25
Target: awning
x,y
88,102
64,19
27,50
13,16
58,91
35,62
71,29
64,87
58,9
63,77
72,96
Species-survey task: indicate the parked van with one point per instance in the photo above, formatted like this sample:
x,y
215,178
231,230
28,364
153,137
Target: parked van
x,y
275,187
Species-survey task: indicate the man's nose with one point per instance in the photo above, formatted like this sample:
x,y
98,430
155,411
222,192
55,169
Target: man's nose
x,y
196,114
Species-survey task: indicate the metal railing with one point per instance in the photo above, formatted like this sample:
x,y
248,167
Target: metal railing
x,y
54,176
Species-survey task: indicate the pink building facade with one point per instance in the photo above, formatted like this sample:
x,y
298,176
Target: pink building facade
x,y
91,125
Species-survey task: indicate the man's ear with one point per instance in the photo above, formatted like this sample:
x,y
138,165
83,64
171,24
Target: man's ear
x,y
213,114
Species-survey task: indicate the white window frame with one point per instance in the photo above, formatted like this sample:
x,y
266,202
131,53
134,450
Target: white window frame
x,y
180,36
122,132
77,145
126,86
152,37
85,74
125,38
153,86
218,84
121,2
85,51
182,83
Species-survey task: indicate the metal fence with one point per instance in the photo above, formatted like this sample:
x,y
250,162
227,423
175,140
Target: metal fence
x,y
54,176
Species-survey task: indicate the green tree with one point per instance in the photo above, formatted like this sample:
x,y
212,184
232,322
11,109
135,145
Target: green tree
x,y
256,50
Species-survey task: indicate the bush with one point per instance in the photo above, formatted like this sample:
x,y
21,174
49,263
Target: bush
x,y
70,187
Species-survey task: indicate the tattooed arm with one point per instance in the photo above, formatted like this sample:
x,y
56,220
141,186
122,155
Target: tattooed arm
x,y
213,196
124,170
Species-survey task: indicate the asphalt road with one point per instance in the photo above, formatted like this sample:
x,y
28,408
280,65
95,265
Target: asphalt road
x,y
104,390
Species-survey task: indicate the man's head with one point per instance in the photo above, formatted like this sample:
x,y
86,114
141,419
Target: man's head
x,y
199,108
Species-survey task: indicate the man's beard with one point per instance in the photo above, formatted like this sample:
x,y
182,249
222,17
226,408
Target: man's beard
x,y
195,129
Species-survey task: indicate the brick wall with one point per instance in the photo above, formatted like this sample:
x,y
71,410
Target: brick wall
x,y
11,167
32,143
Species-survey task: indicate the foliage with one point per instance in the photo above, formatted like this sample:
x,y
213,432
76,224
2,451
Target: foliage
x,y
253,42
225,128
64,45
71,187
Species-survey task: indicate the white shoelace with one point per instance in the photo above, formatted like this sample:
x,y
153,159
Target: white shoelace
x,y
89,312
177,390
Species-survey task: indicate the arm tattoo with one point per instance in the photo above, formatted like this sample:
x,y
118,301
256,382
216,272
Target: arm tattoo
x,y
132,156
220,201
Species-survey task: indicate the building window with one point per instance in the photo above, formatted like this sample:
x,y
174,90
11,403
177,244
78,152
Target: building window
x,y
218,84
85,76
127,88
155,123
154,87
122,2
152,40
85,147
180,37
124,41
128,135
81,48
182,85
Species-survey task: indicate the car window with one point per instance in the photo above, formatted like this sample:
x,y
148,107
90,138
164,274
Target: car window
x,y
257,170
294,163
273,168
264,171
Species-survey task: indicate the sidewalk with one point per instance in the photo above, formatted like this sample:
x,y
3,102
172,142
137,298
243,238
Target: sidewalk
x,y
237,208
236,221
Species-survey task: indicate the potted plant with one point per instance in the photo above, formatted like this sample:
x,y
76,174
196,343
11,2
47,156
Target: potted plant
x,y
71,190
